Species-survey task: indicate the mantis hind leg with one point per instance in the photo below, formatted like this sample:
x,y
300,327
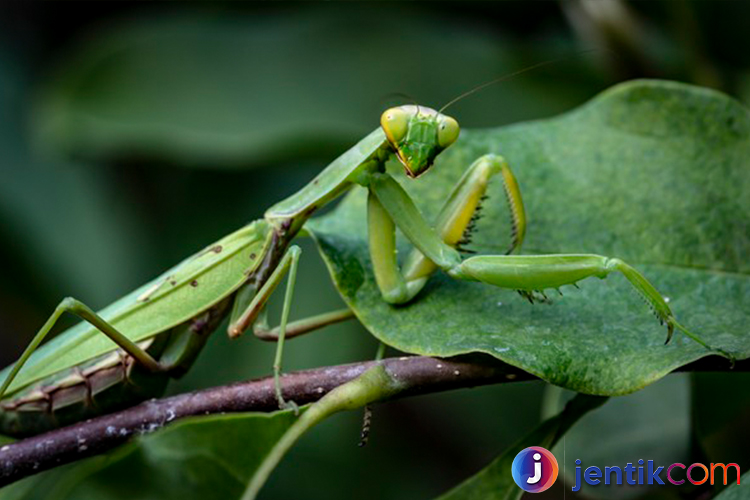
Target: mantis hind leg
x,y
78,308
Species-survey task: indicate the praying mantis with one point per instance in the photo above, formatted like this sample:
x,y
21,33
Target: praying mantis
x,y
126,352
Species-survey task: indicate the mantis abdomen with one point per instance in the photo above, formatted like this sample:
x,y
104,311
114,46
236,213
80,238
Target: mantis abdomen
x,y
107,383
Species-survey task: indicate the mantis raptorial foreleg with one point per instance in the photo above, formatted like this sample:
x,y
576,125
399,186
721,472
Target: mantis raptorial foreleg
x,y
462,206
451,225
454,218
78,308
389,206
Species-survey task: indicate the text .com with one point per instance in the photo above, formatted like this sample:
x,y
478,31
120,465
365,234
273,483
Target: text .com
x,y
646,473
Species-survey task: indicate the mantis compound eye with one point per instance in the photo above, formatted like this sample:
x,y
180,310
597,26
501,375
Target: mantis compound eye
x,y
448,130
395,123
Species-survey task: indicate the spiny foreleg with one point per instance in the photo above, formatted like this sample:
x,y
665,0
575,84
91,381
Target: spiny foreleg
x,y
527,273
452,226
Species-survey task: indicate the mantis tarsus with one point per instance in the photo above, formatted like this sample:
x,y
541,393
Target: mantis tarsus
x,y
157,331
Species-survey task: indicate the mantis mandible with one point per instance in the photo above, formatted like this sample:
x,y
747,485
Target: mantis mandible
x,y
126,352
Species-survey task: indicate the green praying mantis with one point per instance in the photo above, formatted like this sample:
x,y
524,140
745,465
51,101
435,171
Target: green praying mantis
x,y
126,352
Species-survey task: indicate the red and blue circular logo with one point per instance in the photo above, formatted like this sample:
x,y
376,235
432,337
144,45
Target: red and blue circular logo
x,y
535,469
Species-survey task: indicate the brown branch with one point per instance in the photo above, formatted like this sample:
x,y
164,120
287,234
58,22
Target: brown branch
x,y
421,375
96,436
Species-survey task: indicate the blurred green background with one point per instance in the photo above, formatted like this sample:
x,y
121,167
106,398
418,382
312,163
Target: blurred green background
x,y
133,134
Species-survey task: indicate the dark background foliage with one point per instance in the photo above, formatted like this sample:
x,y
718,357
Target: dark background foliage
x,y
133,134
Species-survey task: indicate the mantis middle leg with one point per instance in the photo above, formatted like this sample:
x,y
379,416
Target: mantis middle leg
x,y
263,331
244,316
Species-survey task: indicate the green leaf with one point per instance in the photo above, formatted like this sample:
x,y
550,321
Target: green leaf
x,y
736,491
720,411
652,172
197,458
652,424
495,482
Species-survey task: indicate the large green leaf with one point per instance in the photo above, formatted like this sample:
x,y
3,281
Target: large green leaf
x,y
656,173
737,491
652,424
495,482
719,414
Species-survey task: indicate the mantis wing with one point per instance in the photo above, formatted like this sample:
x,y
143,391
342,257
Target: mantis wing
x,y
176,296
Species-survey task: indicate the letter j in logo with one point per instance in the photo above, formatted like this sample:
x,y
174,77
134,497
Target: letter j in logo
x,y
535,469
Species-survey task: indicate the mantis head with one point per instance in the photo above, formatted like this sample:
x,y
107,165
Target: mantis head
x,y
417,135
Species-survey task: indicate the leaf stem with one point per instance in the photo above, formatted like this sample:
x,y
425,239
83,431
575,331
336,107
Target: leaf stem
x,y
374,385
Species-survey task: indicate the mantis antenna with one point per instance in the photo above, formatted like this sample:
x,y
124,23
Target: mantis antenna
x,y
516,73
